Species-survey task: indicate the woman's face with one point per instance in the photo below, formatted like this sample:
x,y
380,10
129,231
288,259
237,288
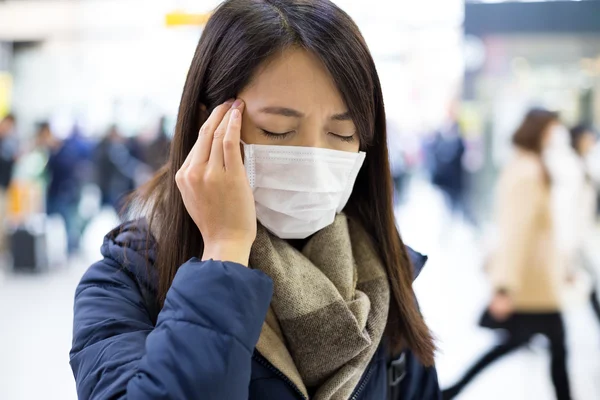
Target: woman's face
x,y
293,101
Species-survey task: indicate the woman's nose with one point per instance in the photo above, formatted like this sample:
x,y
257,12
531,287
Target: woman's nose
x,y
312,138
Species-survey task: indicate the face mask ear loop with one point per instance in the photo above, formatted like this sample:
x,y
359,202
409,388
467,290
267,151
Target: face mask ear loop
x,y
249,163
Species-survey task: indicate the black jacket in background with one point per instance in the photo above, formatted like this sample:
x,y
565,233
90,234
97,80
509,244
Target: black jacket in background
x,y
8,154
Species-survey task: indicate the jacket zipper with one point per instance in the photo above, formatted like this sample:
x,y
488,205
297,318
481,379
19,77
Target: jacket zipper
x,y
265,363
363,383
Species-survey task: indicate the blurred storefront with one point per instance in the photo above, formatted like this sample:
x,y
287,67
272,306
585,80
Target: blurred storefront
x,y
524,54
417,47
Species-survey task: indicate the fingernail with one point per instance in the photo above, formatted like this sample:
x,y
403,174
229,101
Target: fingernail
x,y
237,103
229,102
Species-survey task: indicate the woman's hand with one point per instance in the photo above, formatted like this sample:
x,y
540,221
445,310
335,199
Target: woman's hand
x,y
215,189
501,306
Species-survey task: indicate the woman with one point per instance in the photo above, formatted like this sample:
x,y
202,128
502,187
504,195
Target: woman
x,y
311,302
525,268
583,140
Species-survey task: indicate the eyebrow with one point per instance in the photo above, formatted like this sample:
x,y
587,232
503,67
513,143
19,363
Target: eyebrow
x,y
286,112
342,117
290,112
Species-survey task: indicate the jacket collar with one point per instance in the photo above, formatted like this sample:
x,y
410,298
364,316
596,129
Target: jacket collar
x,y
418,261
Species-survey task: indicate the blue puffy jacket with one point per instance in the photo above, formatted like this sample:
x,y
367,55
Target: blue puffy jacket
x,y
200,345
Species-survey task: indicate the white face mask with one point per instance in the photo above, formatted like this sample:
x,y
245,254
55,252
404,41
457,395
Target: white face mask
x,y
299,190
560,138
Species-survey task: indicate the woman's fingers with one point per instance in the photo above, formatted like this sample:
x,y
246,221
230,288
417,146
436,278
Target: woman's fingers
x,y
200,153
228,227
216,151
217,157
231,143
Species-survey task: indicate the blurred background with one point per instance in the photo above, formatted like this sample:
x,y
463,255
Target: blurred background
x,y
89,91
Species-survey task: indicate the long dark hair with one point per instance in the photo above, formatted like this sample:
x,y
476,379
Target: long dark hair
x,y
238,38
530,135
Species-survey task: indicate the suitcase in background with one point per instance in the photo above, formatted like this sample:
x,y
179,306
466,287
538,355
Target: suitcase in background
x,y
28,246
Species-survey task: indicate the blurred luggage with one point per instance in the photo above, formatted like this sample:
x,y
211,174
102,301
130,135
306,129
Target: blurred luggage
x,y
28,245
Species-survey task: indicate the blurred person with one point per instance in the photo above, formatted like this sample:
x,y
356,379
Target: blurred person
x,y
448,149
568,177
8,149
32,236
398,165
138,150
593,168
68,169
583,139
45,143
157,152
115,168
445,159
32,166
526,266
8,155
198,300
574,203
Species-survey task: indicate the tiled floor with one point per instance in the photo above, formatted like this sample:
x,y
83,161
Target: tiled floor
x,y
36,314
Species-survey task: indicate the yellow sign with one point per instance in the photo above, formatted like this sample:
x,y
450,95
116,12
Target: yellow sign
x,y
186,19
5,93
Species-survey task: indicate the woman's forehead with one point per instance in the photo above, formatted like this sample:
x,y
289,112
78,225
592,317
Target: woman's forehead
x,y
294,79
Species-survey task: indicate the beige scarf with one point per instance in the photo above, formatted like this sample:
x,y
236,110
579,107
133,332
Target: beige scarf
x,y
329,309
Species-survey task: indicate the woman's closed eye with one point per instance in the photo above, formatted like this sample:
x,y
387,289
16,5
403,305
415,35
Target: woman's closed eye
x,y
344,138
283,135
276,135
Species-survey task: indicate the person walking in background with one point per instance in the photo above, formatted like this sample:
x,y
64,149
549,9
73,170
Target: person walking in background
x,y
526,266
45,144
445,159
157,152
115,168
8,156
583,140
398,165
567,176
8,149
592,162
68,168
447,150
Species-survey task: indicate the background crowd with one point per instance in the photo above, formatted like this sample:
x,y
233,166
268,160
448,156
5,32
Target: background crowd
x,y
493,114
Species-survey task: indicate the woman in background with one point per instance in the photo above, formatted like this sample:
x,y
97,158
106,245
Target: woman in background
x,y
525,268
583,140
